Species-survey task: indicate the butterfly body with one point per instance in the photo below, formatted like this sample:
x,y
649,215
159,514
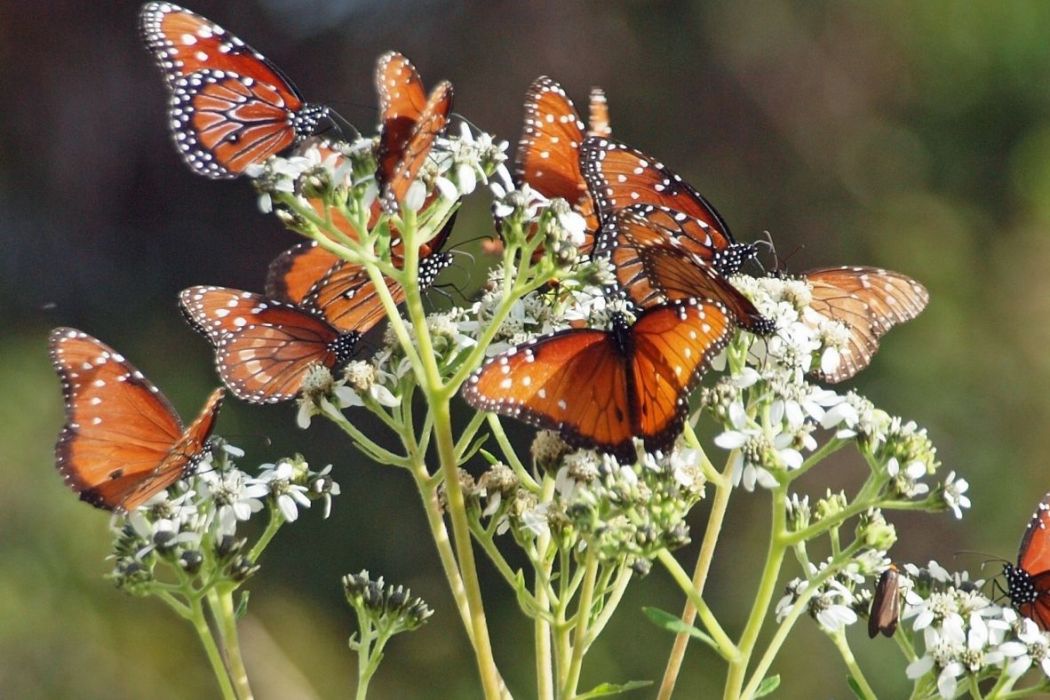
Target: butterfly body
x,y
122,441
602,389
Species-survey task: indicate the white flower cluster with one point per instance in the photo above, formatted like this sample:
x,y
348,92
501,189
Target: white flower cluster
x,y
624,511
207,509
838,597
967,636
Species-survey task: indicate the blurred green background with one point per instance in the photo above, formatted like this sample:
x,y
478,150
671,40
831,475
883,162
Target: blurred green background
x,y
910,135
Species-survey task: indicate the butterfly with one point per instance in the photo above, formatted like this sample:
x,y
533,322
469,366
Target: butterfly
x,y
230,107
598,114
885,604
1028,583
619,176
122,442
661,255
410,123
868,301
263,347
600,389
548,157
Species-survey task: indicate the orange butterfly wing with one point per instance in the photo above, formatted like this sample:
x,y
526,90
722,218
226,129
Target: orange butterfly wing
x,y
183,42
122,442
263,347
673,346
868,301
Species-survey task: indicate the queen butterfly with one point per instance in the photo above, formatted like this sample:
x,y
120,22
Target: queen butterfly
x,y
868,301
1028,583
122,441
230,106
263,347
655,258
885,604
600,389
410,123
619,176
548,158
598,114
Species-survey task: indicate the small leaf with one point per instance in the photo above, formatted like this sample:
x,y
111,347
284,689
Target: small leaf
x,y
672,623
489,457
855,687
612,689
526,601
474,448
242,606
767,686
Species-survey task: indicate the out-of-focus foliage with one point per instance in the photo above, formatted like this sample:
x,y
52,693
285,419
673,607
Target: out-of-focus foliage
x,y
910,135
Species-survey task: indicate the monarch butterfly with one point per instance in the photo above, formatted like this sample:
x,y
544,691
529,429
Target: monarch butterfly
x,y
122,441
658,254
619,176
885,604
263,347
230,106
548,158
600,389
868,301
1028,583
410,123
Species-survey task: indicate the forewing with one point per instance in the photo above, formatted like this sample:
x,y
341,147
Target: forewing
x,y
673,345
431,123
402,100
573,381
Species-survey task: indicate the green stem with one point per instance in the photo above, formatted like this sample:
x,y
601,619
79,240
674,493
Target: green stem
x,y
484,539
720,503
726,648
361,441
224,612
619,587
272,526
541,627
828,448
467,436
218,667
839,638
583,616
496,427
767,586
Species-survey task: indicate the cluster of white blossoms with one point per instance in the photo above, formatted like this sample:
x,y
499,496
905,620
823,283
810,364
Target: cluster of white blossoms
x,y
965,635
205,510
626,512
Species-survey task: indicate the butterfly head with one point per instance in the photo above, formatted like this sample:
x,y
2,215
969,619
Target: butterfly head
x,y
308,120
431,266
343,347
728,261
1019,585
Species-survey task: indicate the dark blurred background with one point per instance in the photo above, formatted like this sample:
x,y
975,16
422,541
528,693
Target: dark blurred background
x,y
910,135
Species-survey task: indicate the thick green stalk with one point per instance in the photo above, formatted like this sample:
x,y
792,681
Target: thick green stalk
x,y
851,663
726,648
719,505
218,667
541,628
766,588
222,608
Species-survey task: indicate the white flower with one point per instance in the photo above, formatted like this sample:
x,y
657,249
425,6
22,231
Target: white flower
x,y
289,496
954,491
1032,647
237,496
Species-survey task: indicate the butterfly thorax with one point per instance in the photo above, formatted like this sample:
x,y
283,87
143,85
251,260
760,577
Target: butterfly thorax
x,y
431,266
307,121
621,333
728,261
1019,585
343,348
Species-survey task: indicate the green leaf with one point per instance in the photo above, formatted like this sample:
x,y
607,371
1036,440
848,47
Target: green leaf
x,y
526,601
767,686
489,457
242,606
672,623
612,689
474,448
855,687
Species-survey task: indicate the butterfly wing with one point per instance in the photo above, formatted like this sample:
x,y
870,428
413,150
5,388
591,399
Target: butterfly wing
x,y
122,441
573,381
651,263
402,99
673,344
598,114
619,176
263,347
868,301
431,123
183,42
222,122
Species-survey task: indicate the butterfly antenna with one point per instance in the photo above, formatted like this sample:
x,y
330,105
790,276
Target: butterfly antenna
x,y
348,130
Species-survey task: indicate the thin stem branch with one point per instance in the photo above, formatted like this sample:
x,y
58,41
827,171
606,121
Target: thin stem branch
x,y
496,427
726,648
218,666
222,608
583,615
541,627
719,505
842,644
